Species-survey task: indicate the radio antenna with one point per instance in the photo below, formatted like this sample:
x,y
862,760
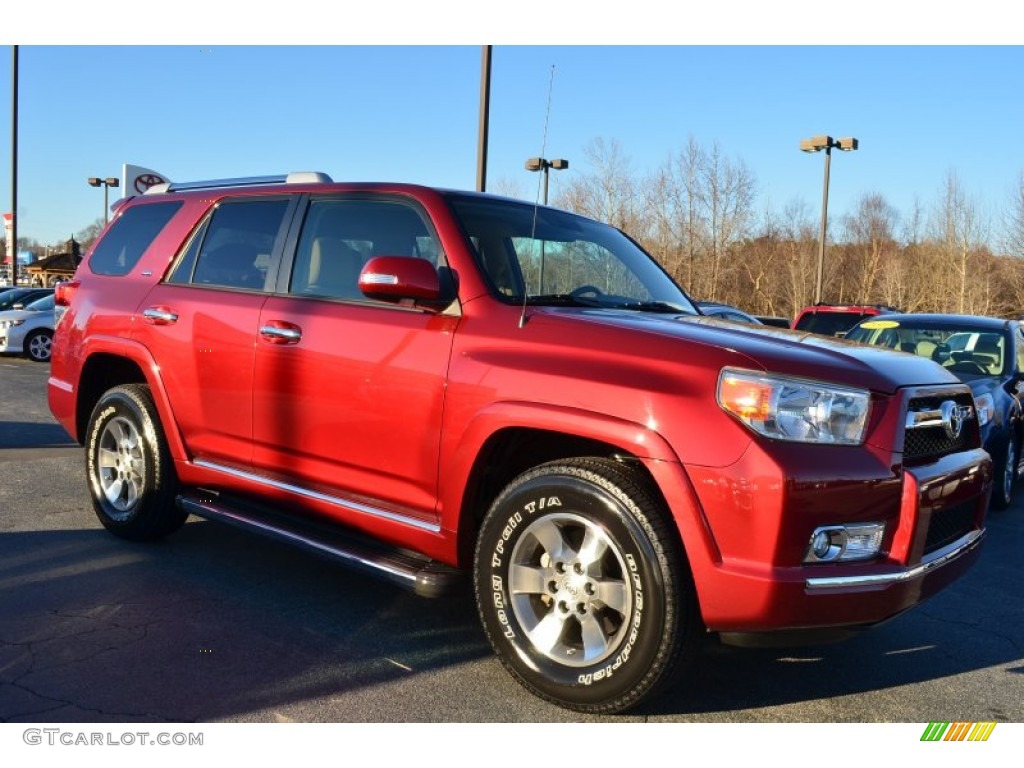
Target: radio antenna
x,y
541,180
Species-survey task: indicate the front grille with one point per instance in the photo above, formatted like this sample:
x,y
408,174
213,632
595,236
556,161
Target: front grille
x,y
927,443
930,443
948,525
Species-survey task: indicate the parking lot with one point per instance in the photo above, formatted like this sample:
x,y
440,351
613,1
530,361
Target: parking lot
x,y
215,625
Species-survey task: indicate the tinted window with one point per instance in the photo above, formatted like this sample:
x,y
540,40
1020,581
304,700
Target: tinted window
x,y
21,296
233,249
129,237
340,236
829,323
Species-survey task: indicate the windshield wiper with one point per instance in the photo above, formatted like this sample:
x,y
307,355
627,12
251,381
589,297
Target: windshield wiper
x,y
567,300
655,306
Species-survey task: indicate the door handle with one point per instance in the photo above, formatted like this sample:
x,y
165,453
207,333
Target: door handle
x,y
159,316
278,332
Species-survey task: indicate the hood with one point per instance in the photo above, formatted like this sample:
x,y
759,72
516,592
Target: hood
x,y
17,314
776,350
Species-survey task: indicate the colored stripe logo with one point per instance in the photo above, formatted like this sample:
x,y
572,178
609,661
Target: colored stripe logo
x,y
957,731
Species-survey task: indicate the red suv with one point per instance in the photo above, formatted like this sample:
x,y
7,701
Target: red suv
x,y
432,384
836,319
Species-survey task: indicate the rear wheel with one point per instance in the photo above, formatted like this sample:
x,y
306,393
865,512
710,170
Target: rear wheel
x,y
131,476
582,586
39,344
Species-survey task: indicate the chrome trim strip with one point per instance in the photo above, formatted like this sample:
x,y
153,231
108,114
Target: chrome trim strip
x,y
67,386
937,560
353,506
216,511
920,419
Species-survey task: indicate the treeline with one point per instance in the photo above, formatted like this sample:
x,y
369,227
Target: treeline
x,y
697,215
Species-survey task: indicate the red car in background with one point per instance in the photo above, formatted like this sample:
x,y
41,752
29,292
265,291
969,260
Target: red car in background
x,y
836,319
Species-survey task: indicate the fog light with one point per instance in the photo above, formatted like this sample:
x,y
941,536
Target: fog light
x,y
822,547
844,543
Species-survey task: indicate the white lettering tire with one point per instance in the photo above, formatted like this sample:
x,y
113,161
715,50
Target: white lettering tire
x,y
131,475
582,585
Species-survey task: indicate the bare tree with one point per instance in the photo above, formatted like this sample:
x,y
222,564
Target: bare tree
x,y
872,245
608,193
1014,241
87,236
957,231
674,201
728,199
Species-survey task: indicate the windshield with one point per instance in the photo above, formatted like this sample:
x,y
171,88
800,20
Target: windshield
x,y
555,257
42,305
961,349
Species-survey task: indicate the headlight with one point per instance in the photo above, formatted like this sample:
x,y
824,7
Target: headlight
x,y
10,323
986,407
785,408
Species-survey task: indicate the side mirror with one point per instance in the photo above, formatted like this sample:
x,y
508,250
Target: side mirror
x,y
400,278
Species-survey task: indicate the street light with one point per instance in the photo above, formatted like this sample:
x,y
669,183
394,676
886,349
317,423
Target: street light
x,y
106,184
816,144
542,164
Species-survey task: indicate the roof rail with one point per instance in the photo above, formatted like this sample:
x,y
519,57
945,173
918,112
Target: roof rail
x,y
295,177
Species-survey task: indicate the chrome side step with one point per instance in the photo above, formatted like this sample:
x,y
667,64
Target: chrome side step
x,y
425,577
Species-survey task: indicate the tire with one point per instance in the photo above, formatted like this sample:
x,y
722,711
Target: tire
x,y
131,476
1005,475
39,345
582,586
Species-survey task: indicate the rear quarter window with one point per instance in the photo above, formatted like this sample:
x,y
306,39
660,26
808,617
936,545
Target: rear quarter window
x,y
129,237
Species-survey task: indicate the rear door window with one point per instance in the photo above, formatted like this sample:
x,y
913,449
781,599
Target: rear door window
x,y
233,248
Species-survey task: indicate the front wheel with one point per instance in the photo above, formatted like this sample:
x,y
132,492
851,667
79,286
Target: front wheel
x,y
1005,476
582,586
131,476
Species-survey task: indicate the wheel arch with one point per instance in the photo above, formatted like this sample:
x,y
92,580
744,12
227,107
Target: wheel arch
x,y
128,363
509,439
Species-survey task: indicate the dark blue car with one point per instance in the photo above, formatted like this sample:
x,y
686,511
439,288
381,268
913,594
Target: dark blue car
x,y
987,354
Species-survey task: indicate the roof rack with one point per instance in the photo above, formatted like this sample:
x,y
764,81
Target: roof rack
x,y
295,177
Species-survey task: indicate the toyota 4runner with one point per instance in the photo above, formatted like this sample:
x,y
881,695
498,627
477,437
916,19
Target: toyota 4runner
x,y
431,384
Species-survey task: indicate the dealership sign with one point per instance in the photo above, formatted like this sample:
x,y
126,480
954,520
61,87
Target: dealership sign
x,y
135,179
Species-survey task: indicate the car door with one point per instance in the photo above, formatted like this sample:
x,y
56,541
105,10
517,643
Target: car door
x,y
201,324
349,392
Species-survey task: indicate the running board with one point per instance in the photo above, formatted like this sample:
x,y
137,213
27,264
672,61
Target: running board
x,y
425,577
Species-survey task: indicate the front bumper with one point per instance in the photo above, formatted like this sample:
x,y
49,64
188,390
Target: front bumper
x,y
754,519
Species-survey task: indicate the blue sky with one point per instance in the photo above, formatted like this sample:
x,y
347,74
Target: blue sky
x,y
410,112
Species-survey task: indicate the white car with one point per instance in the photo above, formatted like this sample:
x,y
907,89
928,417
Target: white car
x,y
28,331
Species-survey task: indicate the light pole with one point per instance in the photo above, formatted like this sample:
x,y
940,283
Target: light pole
x,y
106,184
542,164
816,144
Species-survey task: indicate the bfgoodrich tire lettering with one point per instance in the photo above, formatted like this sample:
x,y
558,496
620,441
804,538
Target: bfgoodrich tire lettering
x,y
582,587
131,476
